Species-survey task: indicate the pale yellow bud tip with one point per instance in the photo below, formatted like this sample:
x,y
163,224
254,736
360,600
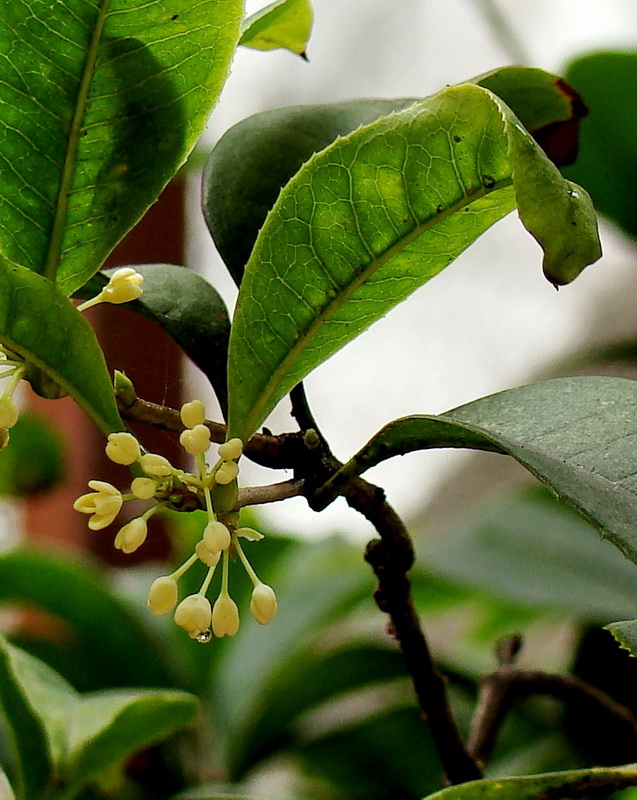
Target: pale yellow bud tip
x,y
193,413
8,413
125,285
156,465
227,472
231,450
123,448
132,535
193,614
216,537
195,440
263,605
225,616
162,595
208,557
143,488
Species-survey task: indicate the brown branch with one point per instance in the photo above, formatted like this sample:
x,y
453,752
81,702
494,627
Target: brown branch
x,y
507,686
257,495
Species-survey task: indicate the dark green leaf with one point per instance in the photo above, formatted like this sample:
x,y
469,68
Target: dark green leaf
x,y
38,323
283,24
607,162
626,634
35,461
537,553
109,726
191,312
377,214
575,434
576,783
102,102
106,636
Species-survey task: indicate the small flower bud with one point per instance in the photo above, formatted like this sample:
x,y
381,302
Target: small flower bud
x,y
193,413
209,558
249,534
156,465
125,285
143,488
225,616
263,606
123,448
163,595
193,614
132,535
227,472
8,413
231,450
195,440
216,536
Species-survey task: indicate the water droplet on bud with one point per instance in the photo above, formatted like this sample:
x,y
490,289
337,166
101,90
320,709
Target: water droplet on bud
x,y
204,636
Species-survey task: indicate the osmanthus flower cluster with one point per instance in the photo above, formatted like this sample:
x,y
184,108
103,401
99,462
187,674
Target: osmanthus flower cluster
x,y
158,481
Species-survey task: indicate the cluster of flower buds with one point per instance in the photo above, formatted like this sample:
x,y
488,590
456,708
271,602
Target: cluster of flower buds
x,y
125,284
220,541
12,367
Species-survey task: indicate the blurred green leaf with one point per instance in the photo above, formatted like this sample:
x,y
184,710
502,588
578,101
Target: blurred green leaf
x,y
376,215
537,553
607,161
283,24
575,783
101,106
39,324
6,792
114,648
189,309
35,461
575,434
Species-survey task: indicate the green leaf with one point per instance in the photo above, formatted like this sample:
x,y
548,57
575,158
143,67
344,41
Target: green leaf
x,y
607,162
109,726
626,634
283,24
40,324
102,102
106,637
376,215
35,461
536,553
6,792
575,783
189,309
576,435
36,704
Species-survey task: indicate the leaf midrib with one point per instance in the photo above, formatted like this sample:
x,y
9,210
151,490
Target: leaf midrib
x,y
70,161
250,425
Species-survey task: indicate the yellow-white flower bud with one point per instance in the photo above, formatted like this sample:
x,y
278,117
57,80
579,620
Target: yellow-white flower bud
x,y
225,616
195,440
227,472
263,606
156,465
132,535
250,534
8,413
163,595
193,413
143,488
209,558
104,504
125,285
123,448
216,536
193,614
231,450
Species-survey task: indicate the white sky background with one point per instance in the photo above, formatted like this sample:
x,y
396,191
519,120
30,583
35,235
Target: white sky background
x,y
490,321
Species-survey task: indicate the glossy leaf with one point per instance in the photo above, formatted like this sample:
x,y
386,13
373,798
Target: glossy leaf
x,y
575,434
283,24
254,160
376,215
102,102
536,553
189,309
607,162
40,324
626,634
35,461
575,783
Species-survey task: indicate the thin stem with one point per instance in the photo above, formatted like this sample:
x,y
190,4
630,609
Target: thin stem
x,y
14,380
203,474
224,573
244,560
207,580
184,567
503,32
